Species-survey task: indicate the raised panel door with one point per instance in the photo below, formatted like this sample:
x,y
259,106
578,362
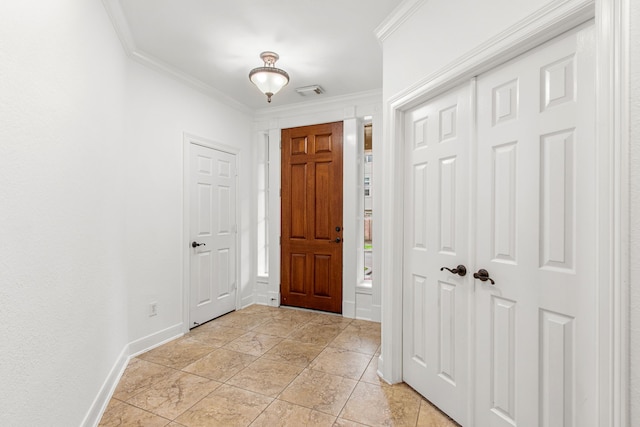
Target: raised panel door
x,y
536,345
436,308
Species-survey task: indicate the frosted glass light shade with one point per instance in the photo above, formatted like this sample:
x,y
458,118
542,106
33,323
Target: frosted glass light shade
x,y
269,79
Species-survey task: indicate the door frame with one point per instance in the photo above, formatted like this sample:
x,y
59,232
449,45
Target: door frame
x,y
351,224
612,94
188,140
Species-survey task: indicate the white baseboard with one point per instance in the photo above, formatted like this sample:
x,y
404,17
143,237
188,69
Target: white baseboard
x,y
273,298
247,301
349,309
129,351
156,339
101,401
376,313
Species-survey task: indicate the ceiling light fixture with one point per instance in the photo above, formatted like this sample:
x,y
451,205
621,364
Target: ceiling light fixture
x,y
268,78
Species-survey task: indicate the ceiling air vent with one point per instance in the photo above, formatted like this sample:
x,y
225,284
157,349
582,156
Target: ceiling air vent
x,y
309,90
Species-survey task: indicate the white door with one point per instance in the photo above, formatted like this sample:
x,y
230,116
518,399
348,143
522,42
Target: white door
x,y
213,233
436,308
535,328
528,341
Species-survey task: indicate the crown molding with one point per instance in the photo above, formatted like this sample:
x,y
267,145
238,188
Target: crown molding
x,y
161,66
121,26
323,105
543,25
400,14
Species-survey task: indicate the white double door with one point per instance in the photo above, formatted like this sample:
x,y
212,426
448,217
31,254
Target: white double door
x,y
500,177
213,233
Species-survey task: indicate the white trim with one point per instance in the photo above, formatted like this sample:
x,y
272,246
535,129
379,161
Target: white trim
x,y
100,403
350,127
612,99
398,16
275,186
189,139
612,23
121,26
131,350
293,113
543,25
155,339
197,84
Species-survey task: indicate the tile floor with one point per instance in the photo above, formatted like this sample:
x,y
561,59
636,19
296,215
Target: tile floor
x,y
265,366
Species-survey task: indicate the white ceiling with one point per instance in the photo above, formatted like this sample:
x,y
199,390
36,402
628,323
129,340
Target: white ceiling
x,y
215,43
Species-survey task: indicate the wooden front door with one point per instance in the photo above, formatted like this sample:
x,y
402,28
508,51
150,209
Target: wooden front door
x,y
311,270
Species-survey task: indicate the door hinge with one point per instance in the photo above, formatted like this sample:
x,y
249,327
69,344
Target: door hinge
x,y
280,237
280,192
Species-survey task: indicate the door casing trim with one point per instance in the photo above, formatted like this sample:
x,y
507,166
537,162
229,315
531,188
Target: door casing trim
x,y
189,139
612,95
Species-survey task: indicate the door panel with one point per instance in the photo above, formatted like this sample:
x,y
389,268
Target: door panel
x,y
213,224
436,221
311,270
536,365
529,338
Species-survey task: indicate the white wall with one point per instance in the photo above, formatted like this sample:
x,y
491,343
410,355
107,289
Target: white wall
x,y
635,215
63,317
91,150
159,109
440,32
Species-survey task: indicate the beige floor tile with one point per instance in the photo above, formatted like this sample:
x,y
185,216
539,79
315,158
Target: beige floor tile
x,y
120,414
215,335
174,395
227,406
382,405
314,333
294,352
285,414
253,343
366,325
178,353
371,373
266,377
341,422
361,339
240,320
259,309
319,391
330,319
301,316
278,327
221,364
430,416
341,362
139,375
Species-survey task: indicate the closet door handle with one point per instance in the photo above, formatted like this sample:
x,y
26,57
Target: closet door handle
x,y
196,244
483,275
460,270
